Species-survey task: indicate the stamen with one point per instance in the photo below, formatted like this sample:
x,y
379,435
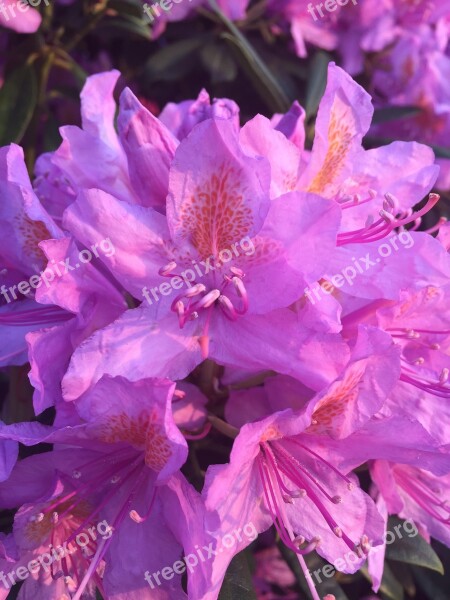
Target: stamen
x,y
390,220
242,293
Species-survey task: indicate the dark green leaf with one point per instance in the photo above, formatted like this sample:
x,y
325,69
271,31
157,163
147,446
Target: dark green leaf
x,y
317,81
238,583
18,98
434,586
129,24
392,113
127,7
174,61
217,60
265,81
441,152
412,550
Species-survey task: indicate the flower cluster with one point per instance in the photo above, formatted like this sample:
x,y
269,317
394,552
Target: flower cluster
x,y
302,389
403,48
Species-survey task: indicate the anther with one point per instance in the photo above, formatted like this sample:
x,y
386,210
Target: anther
x,y
164,271
208,300
238,272
390,200
301,493
288,499
136,516
299,540
199,288
37,518
444,376
337,532
412,335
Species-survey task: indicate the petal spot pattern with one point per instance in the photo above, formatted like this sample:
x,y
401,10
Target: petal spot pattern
x,y
338,400
142,432
32,233
218,213
339,140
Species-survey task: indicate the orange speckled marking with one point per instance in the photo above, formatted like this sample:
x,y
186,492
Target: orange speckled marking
x,y
32,233
141,432
335,403
217,214
339,140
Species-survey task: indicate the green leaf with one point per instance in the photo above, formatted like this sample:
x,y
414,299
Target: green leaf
x,y
265,81
175,60
129,24
127,7
217,60
434,586
412,550
392,113
238,583
18,98
440,151
317,82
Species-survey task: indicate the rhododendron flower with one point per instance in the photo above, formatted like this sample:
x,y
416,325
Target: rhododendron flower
x,y
344,405
415,494
279,473
62,304
113,466
252,241
419,325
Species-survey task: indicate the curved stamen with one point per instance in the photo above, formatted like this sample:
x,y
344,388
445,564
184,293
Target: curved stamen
x,y
423,496
386,224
